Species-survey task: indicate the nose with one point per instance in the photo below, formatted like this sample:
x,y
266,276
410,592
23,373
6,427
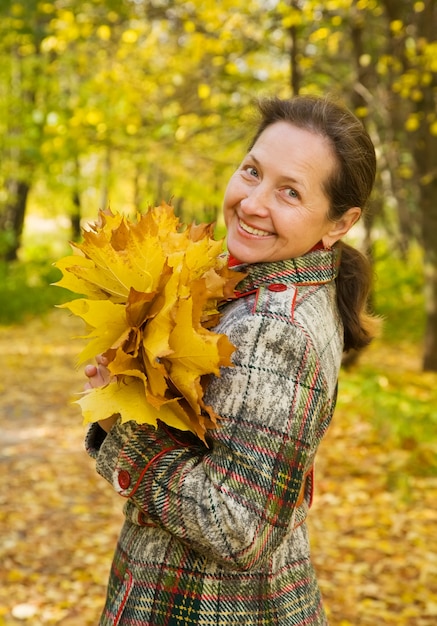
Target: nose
x,y
256,200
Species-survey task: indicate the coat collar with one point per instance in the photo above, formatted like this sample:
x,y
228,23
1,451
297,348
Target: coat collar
x,y
314,268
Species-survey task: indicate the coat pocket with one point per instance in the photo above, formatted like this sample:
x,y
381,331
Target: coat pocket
x,y
114,609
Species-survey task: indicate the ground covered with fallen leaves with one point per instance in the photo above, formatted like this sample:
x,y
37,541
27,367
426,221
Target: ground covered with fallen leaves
x,y
373,523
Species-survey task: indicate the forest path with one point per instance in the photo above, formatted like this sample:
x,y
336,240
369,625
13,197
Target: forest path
x,y
373,528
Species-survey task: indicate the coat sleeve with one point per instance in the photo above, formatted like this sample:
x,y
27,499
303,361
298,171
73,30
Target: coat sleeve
x,y
236,499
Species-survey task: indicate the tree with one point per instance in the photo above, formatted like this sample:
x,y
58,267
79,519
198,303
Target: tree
x,y
133,102
413,34
22,80
380,57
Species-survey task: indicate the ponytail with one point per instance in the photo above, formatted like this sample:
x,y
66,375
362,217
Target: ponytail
x,y
354,283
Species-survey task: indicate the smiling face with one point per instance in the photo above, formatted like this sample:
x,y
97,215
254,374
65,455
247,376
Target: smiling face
x,y
275,205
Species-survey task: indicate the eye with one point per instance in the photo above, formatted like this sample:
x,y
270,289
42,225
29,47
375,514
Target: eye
x,y
251,170
291,193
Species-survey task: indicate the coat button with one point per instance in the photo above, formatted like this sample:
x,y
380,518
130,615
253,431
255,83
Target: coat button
x,y
124,479
277,287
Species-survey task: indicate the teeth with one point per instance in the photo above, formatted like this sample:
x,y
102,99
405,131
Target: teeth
x,y
253,231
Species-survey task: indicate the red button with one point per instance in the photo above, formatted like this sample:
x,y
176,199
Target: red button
x,y
124,479
277,287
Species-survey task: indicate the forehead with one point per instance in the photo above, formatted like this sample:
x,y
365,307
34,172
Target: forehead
x,y
288,146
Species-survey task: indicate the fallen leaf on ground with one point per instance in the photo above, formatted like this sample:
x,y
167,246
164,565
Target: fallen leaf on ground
x,y
372,525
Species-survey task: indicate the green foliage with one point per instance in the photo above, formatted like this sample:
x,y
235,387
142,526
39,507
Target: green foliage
x,y
26,290
388,392
386,387
6,241
399,293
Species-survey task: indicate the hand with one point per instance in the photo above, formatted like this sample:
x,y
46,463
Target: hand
x,y
99,376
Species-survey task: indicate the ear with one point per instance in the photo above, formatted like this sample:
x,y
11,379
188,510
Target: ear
x,y
342,226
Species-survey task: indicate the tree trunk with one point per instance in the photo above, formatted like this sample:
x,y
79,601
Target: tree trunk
x,y
107,167
429,208
426,158
76,217
294,63
12,218
77,204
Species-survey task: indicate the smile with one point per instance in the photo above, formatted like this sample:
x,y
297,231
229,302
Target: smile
x,y
253,231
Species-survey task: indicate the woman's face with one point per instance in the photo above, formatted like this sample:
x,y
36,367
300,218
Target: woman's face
x,y
275,206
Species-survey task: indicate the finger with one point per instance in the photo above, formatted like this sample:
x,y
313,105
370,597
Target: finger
x,y
90,370
103,375
101,360
98,380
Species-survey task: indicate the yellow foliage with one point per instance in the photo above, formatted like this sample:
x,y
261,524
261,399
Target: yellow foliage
x,y
405,172
319,35
396,27
104,32
361,112
293,18
152,290
129,36
412,123
204,91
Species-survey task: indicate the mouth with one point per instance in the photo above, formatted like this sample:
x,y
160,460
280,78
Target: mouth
x,y
253,231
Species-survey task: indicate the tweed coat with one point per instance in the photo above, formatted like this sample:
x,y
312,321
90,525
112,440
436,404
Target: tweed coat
x,y
216,535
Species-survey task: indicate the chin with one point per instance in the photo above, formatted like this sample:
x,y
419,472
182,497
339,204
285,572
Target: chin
x,y
247,258
243,253
239,254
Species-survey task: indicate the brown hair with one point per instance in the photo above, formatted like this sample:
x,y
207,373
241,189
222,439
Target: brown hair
x,y
349,186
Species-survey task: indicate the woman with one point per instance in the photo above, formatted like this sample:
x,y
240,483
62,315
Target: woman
x,y
216,535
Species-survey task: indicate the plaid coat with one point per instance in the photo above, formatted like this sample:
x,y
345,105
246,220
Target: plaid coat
x,y
216,535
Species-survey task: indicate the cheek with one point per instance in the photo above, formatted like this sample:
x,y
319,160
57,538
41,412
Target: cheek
x,y
229,200
226,210
233,190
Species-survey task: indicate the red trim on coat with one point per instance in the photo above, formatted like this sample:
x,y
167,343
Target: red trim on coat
x,y
125,597
147,467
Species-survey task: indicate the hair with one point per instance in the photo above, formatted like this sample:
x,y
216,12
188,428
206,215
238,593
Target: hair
x,y
349,185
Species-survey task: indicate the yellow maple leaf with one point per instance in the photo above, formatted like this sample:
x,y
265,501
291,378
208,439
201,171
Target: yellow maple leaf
x,y
128,398
152,291
196,352
107,321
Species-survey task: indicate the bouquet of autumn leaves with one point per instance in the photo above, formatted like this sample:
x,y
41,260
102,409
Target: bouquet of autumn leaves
x,y
151,291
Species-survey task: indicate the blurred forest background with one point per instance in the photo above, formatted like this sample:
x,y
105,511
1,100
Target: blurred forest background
x,y
130,102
